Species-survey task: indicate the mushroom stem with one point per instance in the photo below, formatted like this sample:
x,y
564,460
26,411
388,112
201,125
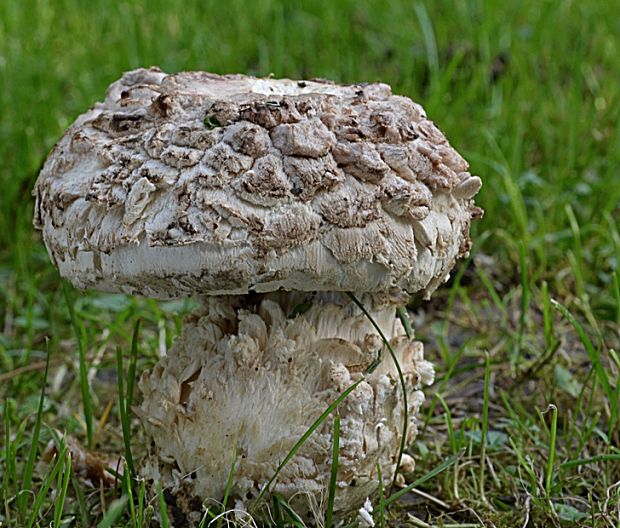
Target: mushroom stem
x,y
251,373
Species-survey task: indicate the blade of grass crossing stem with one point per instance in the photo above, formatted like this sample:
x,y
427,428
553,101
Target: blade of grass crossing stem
x,y
229,483
84,388
551,459
34,444
334,473
404,319
125,424
403,386
114,513
485,423
433,473
381,508
594,356
304,437
163,509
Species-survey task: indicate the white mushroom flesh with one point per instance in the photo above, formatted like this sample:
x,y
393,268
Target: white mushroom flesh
x,y
247,377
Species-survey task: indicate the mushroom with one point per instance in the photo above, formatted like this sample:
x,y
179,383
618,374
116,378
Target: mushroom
x,y
269,199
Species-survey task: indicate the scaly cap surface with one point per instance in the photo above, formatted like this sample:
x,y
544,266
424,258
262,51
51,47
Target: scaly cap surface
x,y
197,183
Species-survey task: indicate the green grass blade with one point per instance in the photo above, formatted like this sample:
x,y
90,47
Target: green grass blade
x,y
63,485
126,483
125,419
525,464
381,505
497,301
433,473
131,371
207,516
304,437
548,323
485,423
34,444
334,474
449,423
8,458
81,501
116,509
525,300
10,473
430,42
403,386
552,447
591,460
404,319
84,387
617,295
229,483
41,494
141,495
594,356
276,513
576,256
163,508
295,520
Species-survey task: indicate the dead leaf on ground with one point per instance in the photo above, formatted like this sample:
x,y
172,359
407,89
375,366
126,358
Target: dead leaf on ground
x,y
90,467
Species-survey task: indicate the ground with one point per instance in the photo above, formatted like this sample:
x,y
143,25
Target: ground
x,y
523,417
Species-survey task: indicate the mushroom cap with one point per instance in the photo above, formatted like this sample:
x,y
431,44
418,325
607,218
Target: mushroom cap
x,y
196,183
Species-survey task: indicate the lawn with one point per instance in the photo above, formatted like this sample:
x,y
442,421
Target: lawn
x,y
523,418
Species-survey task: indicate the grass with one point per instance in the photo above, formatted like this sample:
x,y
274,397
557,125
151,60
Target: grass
x,y
526,90
329,513
315,425
401,379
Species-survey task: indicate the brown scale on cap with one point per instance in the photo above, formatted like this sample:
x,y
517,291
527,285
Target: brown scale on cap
x,y
163,149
